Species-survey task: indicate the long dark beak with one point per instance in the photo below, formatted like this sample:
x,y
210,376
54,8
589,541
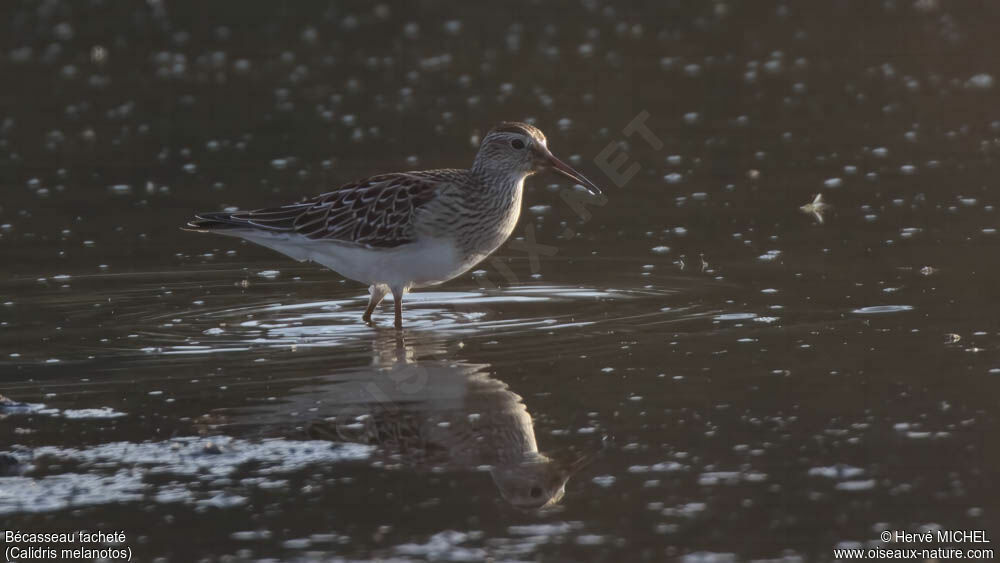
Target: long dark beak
x,y
567,170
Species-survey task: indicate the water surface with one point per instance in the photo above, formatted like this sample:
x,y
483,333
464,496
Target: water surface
x,y
698,369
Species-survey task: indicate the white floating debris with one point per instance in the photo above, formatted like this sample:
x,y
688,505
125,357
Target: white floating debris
x,y
881,309
865,485
604,480
836,472
735,317
770,255
102,412
981,81
590,539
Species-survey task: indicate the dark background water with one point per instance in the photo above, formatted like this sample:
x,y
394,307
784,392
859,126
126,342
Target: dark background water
x,y
757,384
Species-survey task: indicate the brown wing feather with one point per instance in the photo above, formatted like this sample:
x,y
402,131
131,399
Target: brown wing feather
x,y
376,211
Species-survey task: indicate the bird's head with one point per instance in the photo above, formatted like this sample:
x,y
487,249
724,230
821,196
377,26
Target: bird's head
x,y
522,148
537,482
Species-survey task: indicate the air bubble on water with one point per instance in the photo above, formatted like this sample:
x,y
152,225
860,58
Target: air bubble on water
x,y
833,182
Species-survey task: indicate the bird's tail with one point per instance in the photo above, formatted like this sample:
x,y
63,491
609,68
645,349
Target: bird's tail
x,y
216,221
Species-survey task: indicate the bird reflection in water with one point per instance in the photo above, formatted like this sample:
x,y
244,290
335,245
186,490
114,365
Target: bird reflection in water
x,y
424,410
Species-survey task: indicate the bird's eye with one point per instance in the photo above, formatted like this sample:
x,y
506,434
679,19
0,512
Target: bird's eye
x,y
517,144
535,491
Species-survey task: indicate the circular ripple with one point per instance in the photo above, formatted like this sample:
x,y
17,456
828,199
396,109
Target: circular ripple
x,y
156,314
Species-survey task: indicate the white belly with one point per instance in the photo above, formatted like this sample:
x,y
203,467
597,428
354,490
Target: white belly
x,y
428,262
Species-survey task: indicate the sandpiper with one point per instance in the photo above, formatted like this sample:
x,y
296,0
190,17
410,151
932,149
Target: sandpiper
x,y
395,232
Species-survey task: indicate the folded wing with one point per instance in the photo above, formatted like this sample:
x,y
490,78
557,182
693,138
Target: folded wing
x,y
375,212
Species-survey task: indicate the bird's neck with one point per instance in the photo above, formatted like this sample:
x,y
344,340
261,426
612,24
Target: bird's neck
x,y
502,181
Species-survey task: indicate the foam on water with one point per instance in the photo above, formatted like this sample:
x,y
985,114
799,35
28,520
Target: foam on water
x,y
119,471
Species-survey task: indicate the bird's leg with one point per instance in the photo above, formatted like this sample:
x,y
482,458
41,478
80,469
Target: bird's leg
x,y
376,293
397,296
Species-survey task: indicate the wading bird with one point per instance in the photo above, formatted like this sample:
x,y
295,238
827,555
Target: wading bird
x,y
395,232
